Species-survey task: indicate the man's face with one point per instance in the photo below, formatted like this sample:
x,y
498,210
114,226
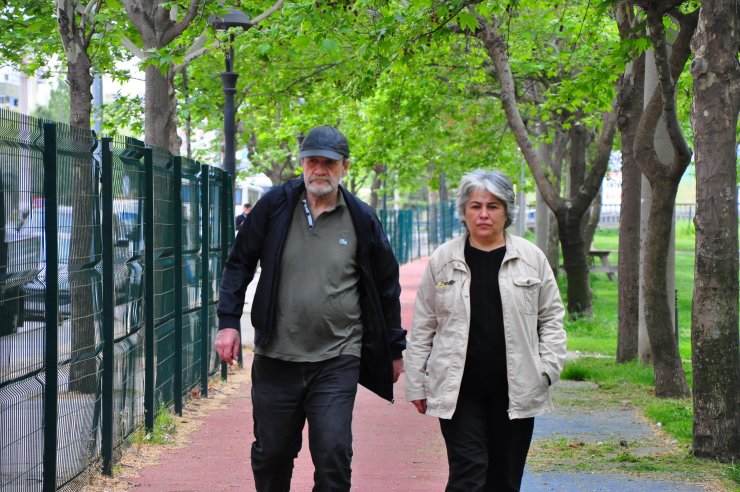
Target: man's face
x,y
246,210
323,175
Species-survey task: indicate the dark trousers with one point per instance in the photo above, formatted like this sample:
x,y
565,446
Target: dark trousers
x,y
287,394
486,451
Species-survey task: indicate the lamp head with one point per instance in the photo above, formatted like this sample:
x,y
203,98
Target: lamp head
x,y
234,18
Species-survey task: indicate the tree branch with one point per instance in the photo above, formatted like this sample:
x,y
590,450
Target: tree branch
x,y
496,46
177,28
595,175
267,13
138,52
139,19
662,101
444,22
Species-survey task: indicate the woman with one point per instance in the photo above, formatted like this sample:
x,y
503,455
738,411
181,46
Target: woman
x,y
487,340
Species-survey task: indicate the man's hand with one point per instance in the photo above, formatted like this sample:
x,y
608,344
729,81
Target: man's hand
x,y
228,345
397,369
421,405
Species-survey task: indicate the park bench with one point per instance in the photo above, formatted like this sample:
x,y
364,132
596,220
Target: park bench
x,y
603,266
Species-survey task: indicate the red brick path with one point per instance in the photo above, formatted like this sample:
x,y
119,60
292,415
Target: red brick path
x,y
396,449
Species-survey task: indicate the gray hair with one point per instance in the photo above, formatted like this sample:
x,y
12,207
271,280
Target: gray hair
x,y
496,183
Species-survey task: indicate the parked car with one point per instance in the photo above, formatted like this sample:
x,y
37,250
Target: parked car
x,y
35,291
127,236
19,260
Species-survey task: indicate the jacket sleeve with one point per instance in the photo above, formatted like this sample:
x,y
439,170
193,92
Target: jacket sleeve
x,y
241,265
552,337
422,335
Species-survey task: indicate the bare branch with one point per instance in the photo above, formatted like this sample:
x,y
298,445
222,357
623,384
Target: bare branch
x,y
90,9
595,175
177,28
199,42
138,52
267,13
192,54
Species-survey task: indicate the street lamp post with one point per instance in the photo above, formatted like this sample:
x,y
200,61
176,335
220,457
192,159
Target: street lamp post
x,y
234,18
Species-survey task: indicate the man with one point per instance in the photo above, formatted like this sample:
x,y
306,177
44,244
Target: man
x,y
326,313
240,218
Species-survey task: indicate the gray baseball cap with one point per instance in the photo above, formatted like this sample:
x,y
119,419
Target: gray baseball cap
x,y
325,141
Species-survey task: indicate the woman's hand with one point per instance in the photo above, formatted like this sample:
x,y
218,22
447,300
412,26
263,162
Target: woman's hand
x,y
421,405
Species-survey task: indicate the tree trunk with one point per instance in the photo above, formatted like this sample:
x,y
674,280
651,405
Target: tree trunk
x,y
628,278
81,282
644,351
714,330
543,216
551,155
188,117
553,243
574,262
591,222
157,24
571,232
670,380
160,110
663,160
378,171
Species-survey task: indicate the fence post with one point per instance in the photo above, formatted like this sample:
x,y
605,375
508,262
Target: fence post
x,y
204,278
177,382
418,231
226,219
51,380
149,290
106,436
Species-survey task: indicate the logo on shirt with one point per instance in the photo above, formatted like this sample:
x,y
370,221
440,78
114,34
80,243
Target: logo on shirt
x,y
343,242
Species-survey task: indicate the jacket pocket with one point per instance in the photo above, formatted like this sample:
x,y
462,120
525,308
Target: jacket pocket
x,y
527,293
444,299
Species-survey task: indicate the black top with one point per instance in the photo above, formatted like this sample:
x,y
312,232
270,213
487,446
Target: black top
x,y
485,364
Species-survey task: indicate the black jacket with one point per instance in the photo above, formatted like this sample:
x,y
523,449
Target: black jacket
x,y
262,237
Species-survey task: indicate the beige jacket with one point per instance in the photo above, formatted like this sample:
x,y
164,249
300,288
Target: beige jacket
x,y
533,327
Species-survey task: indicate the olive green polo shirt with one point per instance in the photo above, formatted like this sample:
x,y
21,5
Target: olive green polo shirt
x,y
318,303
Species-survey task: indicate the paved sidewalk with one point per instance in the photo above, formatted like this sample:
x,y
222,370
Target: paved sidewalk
x,y
395,448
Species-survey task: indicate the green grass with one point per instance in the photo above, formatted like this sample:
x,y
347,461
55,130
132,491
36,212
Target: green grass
x,y
599,334
675,416
685,237
733,472
164,428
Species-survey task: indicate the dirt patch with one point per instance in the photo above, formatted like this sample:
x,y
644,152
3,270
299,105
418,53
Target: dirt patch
x,y
140,455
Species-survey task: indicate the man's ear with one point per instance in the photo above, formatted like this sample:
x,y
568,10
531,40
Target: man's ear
x,y
345,166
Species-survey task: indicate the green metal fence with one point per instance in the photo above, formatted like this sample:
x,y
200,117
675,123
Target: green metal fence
x,y
110,258
416,232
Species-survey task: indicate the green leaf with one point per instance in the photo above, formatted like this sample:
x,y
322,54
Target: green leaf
x,y
329,46
467,21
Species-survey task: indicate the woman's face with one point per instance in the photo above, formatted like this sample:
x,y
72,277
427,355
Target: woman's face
x,y
485,217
